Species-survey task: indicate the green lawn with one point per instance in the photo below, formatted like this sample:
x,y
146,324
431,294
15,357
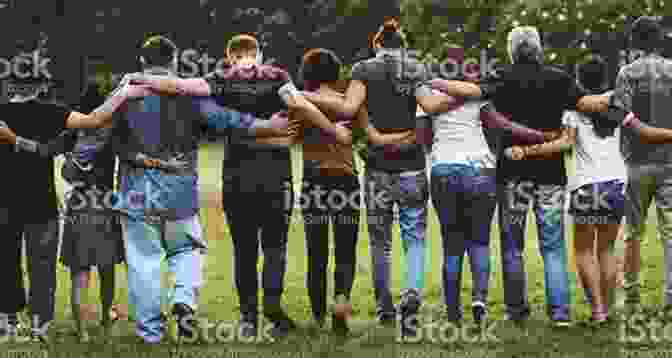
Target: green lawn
x,y
219,300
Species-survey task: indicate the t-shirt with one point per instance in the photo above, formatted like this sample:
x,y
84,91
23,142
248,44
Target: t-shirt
x,y
536,97
597,159
253,90
393,79
459,138
645,88
323,155
27,181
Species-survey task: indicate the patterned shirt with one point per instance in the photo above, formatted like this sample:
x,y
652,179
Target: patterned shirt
x,y
645,88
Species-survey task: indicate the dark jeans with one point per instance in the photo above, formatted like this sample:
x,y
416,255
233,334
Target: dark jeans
x,y
337,200
547,201
41,249
251,209
465,201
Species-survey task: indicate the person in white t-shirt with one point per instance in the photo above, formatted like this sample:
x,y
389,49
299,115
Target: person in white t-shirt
x,y
463,193
597,189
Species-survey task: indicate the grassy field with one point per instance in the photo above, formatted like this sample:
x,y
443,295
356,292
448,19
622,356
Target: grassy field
x,y
219,301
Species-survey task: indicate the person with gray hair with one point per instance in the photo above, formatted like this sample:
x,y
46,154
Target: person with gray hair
x,y
540,179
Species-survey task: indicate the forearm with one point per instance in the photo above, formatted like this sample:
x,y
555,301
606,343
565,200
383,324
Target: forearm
x,y
593,104
560,145
175,86
456,88
520,133
648,134
315,117
330,103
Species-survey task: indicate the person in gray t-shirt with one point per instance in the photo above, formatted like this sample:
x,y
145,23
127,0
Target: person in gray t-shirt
x,y
643,87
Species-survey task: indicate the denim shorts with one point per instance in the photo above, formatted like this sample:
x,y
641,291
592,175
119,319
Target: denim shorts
x,y
598,203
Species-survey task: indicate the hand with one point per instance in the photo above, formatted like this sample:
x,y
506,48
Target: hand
x,y
283,126
551,135
514,153
7,136
151,163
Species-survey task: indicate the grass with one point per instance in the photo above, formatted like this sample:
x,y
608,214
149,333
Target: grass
x,y
219,301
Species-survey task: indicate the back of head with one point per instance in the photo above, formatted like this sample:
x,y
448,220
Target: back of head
x,y
389,35
158,51
646,34
244,48
524,46
320,66
592,74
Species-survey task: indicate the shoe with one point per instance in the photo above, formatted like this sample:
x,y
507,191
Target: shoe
x,y
10,326
248,326
561,323
39,336
281,322
187,325
410,307
479,312
342,313
386,318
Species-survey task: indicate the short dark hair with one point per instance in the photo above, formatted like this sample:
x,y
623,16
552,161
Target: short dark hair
x,y
390,35
158,51
320,65
242,42
646,33
592,74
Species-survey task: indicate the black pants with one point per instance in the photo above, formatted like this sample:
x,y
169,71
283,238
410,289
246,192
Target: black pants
x,y
41,249
325,199
258,208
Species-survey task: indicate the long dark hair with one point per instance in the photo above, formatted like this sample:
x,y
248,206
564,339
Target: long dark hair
x,y
591,75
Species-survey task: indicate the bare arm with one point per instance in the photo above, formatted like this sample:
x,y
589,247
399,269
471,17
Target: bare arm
x,y
455,88
647,133
434,101
172,86
495,120
593,104
347,106
102,116
564,143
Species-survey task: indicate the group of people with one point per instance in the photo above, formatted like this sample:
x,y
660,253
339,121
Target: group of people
x,y
152,122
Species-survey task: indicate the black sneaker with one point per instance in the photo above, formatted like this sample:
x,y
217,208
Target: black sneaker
x,y
248,326
10,326
479,312
410,307
386,318
187,325
281,322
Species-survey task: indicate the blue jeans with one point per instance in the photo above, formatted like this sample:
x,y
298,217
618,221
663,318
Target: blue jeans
x,y
464,198
410,193
146,246
514,200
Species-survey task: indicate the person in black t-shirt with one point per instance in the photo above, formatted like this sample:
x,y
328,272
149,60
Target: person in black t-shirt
x,y
29,209
392,85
